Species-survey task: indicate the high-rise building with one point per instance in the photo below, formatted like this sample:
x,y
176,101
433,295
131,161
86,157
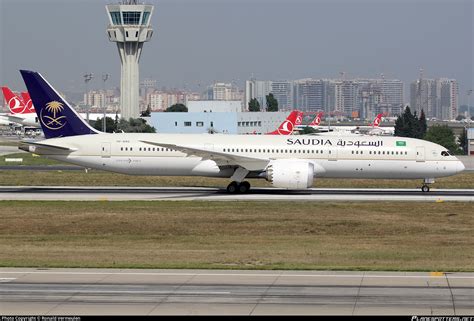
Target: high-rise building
x,y
129,26
95,99
283,92
380,96
310,94
448,99
223,91
257,89
437,97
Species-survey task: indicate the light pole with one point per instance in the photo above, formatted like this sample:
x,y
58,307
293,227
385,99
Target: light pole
x,y
87,77
104,126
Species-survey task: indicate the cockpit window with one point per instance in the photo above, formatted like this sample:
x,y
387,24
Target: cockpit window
x,y
445,153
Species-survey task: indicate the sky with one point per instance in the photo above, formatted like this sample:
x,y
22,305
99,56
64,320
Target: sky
x,y
198,42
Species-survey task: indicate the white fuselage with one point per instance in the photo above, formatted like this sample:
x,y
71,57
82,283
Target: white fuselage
x,y
334,157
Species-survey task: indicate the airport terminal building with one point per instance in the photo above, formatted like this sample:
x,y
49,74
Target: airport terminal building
x,y
470,141
217,122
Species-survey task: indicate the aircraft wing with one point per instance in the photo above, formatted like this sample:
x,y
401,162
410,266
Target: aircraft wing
x,y
14,119
47,146
221,158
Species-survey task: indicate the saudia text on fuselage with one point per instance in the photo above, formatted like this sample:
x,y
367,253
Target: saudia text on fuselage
x,y
328,142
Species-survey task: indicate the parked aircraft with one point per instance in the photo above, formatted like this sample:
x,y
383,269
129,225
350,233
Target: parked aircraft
x,y
294,119
290,162
20,113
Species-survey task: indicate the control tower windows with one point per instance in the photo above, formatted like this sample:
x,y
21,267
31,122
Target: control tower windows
x,y
145,17
131,18
116,18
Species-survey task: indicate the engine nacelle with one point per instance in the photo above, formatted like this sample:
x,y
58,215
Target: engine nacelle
x,y
290,173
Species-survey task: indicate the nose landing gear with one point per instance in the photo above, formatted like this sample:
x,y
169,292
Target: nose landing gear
x,y
425,188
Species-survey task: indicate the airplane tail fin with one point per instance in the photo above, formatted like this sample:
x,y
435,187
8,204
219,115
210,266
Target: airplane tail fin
x,y
286,128
56,116
30,108
317,120
15,104
377,120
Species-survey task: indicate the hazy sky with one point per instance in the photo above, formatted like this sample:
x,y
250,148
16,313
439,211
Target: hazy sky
x,y
197,42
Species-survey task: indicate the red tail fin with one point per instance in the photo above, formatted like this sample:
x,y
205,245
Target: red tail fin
x,y
15,104
28,103
286,128
377,120
317,120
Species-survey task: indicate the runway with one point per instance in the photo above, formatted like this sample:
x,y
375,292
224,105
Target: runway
x,y
185,292
94,193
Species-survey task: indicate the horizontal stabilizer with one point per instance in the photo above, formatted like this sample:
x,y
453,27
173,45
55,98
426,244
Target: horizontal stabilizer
x,y
47,146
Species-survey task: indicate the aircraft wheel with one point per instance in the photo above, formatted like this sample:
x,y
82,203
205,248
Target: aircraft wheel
x,y
244,187
232,188
425,188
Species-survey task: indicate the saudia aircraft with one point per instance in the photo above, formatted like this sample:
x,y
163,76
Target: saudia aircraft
x,y
290,162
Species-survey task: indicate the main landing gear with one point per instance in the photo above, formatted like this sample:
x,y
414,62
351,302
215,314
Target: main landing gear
x,y
425,188
235,187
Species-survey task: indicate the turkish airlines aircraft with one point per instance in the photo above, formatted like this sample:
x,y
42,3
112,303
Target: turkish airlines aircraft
x,y
294,119
290,162
20,112
28,102
372,129
313,124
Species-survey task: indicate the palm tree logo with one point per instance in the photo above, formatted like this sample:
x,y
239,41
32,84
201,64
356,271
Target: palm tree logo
x,y
53,122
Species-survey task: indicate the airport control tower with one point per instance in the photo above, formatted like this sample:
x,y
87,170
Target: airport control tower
x,y
129,27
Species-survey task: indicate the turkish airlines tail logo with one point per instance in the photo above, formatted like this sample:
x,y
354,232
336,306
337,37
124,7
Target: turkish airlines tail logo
x,y
317,120
377,120
28,103
286,128
15,104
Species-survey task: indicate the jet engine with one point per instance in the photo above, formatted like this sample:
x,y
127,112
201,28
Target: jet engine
x,y
290,173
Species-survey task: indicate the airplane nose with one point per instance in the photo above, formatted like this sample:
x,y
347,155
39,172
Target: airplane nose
x,y
460,167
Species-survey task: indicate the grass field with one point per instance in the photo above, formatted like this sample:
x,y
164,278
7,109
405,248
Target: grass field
x,y
99,178
238,235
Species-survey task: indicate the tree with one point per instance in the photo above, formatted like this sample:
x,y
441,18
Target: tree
x,y
272,103
147,112
463,141
254,105
135,125
423,125
444,136
404,125
409,125
308,130
177,108
110,124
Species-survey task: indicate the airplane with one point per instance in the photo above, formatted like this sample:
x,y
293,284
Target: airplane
x,y
313,124
27,100
288,162
372,129
294,119
20,113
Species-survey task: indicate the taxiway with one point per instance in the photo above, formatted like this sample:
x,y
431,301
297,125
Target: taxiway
x,y
94,193
107,291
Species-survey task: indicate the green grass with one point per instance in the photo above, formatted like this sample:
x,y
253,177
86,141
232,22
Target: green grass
x,y
99,178
28,159
238,235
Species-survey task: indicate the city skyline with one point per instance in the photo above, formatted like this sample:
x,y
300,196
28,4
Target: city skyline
x,y
201,42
